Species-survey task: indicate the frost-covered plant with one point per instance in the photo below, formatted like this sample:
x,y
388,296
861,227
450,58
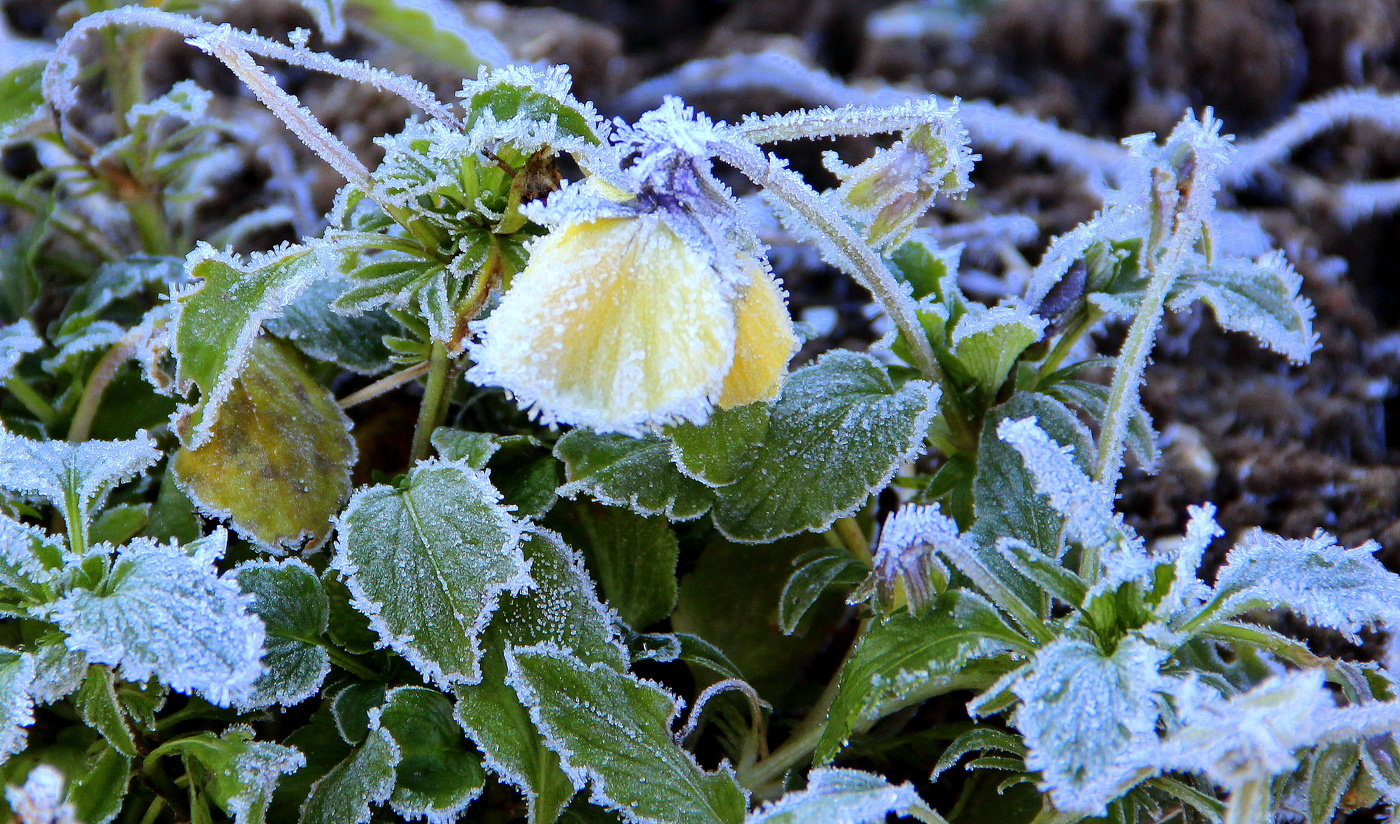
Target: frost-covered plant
x,y
210,615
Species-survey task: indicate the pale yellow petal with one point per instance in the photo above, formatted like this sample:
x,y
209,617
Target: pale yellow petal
x,y
764,344
615,324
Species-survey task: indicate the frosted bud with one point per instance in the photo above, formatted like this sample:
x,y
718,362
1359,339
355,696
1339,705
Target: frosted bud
x,y
893,189
40,800
906,555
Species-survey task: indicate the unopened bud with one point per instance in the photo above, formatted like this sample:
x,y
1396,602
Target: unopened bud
x,y
894,188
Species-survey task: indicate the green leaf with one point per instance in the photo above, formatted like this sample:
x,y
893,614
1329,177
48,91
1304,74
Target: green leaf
x,y
633,559
352,708
235,771
987,342
636,473
696,650
613,731
905,660
217,319
16,700
437,775
1330,772
471,448
365,777
928,270
980,739
349,628
719,452
527,482
119,524
354,342
1258,297
278,466
838,433
165,611
97,792
513,96
841,796
1092,400
21,98
562,609
97,703
427,560
816,571
434,29
292,605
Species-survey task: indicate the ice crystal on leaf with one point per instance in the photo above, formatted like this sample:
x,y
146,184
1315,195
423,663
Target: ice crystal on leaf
x,y
16,340
840,796
167,612
40,800
75,477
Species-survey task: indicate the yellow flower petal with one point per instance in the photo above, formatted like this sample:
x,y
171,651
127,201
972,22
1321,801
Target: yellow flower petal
x,y
615,324
765,342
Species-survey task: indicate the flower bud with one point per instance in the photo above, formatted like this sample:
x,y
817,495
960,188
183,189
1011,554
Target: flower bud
x,y
893,189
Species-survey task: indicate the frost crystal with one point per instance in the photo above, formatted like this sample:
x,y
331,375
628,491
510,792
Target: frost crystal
x,y
40,800
53,470
907,552
839,796
16,340
168,613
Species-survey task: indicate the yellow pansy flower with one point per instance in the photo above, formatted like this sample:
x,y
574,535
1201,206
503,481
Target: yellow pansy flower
x,y
619,325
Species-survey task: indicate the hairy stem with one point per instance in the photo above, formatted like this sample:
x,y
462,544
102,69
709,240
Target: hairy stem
x,y
97,383
385,384
853,539
434,398
858,259
32,401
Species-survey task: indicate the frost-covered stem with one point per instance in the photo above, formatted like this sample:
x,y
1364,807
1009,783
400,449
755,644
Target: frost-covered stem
x,y
97,383
799,746
1287,649
853,539
1067,340
144,207
434,396
861,261
1249,803
32,401
385,384
926,815
306,127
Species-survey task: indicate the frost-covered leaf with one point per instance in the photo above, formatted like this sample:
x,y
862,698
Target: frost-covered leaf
x,y
433,28
837,434
165,611
613,733
21,98
1092,400
471,448
219,316
988,341
365,777
633,559
427,561
529,106
278,466
74,477
840,796
100,786
1259,297
982,739
1330,773
720,451
437,775
633,472
16,699
561,609
908,659
288,597
816,570
354,342
1087,718
28,560
97,704
1326,585
237,772
58,670
16,340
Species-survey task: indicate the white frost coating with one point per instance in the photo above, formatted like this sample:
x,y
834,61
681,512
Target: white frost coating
x,y
1259,297
58,671
329,16
994,320
365,777
257,770
1087,718
909,541
19,566
526,131
40,799
839,796
448,17
54,469
16,700
16,340
168,613
1326,585
1355,202
428,574
97,335
1186,589
1330,111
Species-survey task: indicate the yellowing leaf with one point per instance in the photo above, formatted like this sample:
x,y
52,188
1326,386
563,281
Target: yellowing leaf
x,y
278,465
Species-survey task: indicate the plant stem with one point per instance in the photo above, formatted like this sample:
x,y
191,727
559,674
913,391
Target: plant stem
x,y
32,401
853,539
350,665
1068,338
799,746
384,385
153,812
97,384
861,262
433,400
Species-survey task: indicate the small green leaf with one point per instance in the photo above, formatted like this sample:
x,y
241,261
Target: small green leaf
x,y
97,792
613,732
294,608
426,562
119,524
354,342
434,29
16,700
930,271
437,775
841,796
21,98
1330,773
816,571
97,703
636,473
352,707
908,659
562,609
528,482
364,778
236,772
633,559
349,628
508,100
719,452
218,318
471,448
837,434
278,467
696,650
988,341
1258,297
